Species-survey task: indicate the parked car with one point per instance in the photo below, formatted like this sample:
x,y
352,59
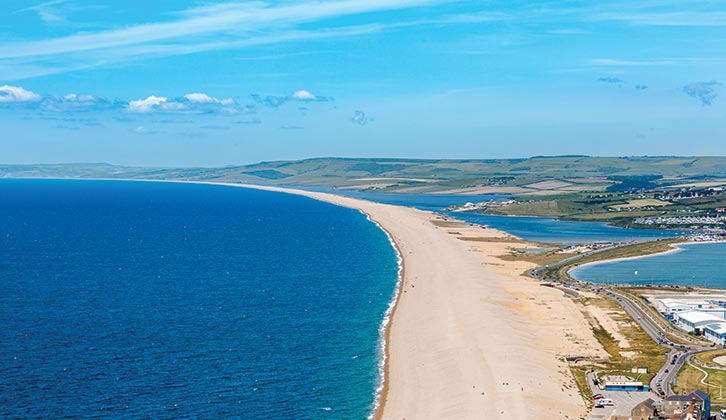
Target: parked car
x,y
598,396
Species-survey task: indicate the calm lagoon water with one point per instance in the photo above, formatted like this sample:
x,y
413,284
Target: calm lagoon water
x,y
541,229
537,229
160,300
699,264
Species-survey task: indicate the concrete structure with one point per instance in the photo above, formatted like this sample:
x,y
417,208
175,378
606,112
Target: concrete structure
x,y
716,332
694,320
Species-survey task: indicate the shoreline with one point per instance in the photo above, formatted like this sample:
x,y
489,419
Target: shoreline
x,y
380,397
382,388
472,337
426,372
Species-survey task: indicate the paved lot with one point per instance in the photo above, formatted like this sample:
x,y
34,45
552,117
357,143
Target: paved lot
x,y
623,401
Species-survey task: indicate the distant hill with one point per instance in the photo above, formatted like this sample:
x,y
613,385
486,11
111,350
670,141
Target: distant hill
x,y
521,176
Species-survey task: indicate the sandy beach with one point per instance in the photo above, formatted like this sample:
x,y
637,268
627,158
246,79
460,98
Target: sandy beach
x,y
470,338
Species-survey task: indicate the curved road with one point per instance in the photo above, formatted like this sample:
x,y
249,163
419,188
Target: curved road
x,y
656,327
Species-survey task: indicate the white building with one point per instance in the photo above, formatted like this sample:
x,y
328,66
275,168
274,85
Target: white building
x,y
716,332
670,306
695,320
717,311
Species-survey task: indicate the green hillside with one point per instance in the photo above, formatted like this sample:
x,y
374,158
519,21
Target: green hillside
x,y
536,175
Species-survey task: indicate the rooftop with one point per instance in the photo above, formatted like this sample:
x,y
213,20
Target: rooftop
x,y
697,317
717,327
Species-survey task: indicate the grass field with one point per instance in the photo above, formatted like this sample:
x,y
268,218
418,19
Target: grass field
x,y
644,202
641,351
690,378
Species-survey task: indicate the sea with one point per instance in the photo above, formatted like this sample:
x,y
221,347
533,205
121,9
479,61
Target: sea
x,y
127,299
695,264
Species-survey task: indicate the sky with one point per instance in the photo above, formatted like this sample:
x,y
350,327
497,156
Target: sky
x,y
215,83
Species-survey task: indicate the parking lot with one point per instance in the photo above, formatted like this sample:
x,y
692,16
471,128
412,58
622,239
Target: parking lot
x,y
623,401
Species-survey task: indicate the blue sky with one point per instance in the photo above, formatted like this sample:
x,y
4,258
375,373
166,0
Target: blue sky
x,y
205,83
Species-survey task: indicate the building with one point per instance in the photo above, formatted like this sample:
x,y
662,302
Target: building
x,y
669,307
695,320
694,405
716,332
644,411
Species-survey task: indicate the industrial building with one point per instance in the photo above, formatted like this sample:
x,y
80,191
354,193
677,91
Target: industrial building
x,y
695,320
716,332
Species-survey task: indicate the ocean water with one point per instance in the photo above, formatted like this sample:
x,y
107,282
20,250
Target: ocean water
x,y
699,264
161,300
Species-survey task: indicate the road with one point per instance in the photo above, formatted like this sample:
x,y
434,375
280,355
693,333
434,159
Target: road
x,y
660,330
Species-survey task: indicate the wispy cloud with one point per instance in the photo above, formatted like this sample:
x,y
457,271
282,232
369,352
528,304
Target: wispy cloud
x,y
291,127
143,130
611,80
674,18
246,21
273,101
614,62
48,11
77,102
703,91
360,118
617,62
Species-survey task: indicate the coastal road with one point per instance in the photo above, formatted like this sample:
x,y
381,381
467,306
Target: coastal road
x,y
660,330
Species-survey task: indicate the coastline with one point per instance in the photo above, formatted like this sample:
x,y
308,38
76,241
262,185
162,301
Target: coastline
x,y
472,337
443,359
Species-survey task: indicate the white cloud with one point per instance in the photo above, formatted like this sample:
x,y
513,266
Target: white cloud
x,y
303,95
153,103
191,103
13,94
203,98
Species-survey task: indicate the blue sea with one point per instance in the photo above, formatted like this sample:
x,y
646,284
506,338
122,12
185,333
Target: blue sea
x,y
161,300
698,264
